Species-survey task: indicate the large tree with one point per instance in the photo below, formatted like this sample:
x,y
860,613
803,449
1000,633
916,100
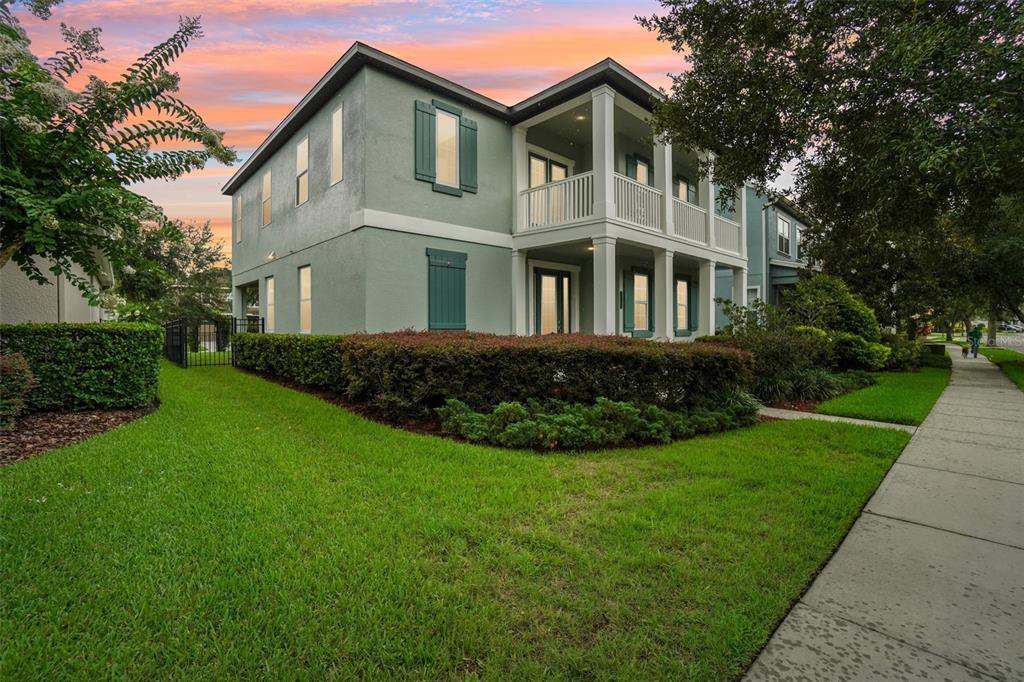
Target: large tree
x,y
69,155
902,119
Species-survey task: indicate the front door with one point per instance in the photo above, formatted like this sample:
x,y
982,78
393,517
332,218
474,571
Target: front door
x,y
552,302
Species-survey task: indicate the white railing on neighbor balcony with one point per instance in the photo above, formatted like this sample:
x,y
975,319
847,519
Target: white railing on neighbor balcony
x,y
557,203
637,203
689,221
727,234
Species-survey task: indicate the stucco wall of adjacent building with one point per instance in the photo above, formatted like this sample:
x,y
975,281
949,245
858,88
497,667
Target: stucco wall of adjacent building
x,y
23,300
391,184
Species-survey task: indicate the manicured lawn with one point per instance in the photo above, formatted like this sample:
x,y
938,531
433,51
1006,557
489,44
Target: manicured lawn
x,y
244,530
898,397
1010,361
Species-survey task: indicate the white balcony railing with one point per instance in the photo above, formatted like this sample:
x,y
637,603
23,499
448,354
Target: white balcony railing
x,y
727,234
689,221
636,203
557,203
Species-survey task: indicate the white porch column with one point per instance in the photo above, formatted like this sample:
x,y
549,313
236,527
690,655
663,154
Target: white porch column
x,y
663,181
708,199
741,207
739,286
520,306
603,131
706,297
663,285
520,173
605,286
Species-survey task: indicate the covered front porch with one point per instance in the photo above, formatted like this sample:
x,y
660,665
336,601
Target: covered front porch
x,y
616,286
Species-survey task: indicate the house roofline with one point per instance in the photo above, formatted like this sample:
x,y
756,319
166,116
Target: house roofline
x,y
360,54
792,208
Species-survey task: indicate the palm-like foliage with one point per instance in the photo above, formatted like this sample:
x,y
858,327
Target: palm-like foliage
x,y
68,156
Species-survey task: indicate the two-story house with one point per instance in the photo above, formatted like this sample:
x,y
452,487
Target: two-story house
x,y
391,198
775,254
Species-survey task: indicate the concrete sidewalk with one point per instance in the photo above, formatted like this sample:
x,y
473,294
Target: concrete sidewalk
x,y
929,584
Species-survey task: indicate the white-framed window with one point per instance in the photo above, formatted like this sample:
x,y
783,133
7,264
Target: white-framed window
x,y
271,317
305,300
447,156
682,304
753,294
302,171
784,231
238,218
266,198
643,172
641,306
337,144
799,235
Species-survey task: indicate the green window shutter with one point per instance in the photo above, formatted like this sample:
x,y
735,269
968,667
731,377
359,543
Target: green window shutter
x,y
692,309
426,141
650,174
676,181
691,192
627,299
446,289
467,155
630,166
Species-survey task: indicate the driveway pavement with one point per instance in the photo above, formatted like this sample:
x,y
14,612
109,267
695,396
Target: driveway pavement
x,y
929,584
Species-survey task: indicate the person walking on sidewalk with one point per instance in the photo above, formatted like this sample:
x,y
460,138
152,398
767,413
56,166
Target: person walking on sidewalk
x,y
974,337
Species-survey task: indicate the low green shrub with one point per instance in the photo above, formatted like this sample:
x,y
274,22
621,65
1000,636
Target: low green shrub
x,y
826,302
932,360
408,374
556,424
86,366
16,380
851,351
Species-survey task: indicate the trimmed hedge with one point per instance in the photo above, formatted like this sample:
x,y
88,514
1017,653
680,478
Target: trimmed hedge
x,y
408,374
16,380
87,366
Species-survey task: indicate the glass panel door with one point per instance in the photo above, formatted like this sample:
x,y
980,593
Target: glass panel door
x,y
552,302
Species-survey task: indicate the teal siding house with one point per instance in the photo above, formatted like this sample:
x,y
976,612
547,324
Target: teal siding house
x,y
391,198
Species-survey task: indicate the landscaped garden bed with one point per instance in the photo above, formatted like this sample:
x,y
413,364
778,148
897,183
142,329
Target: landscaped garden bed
x,y
246,530
553,392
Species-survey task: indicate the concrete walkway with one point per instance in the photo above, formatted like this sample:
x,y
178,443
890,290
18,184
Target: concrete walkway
x,y
929,584
777,413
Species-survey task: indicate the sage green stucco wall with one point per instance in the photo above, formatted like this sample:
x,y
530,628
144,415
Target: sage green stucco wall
x,y
396,282
391,184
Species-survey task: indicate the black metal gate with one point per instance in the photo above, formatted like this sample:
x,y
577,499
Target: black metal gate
x,y
205,343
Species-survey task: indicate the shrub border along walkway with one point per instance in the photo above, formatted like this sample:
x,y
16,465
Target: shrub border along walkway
x,y
925,582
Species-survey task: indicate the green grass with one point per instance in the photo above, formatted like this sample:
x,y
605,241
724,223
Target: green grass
x,y
247,531
1010,361
898,397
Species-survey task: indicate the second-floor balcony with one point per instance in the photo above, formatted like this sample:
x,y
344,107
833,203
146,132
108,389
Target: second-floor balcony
x,y
594,160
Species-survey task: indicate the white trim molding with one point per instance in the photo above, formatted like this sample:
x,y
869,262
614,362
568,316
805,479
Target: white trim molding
x,y
397,222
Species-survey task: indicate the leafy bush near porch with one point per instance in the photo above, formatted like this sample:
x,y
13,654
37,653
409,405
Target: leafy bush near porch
x,y
826,302
558,425
408,374
16,379
85,366
851,351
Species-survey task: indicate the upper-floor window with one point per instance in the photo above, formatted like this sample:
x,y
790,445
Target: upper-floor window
x,y
799,241
445,148
238,218
543,170
337,144
784,228
643,172
266,198
302,171
685,190
639,169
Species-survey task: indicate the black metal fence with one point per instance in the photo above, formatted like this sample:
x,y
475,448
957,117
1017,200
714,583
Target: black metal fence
x,y
205,343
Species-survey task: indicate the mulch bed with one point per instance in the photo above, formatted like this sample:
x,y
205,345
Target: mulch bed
x,y
37,433
799,405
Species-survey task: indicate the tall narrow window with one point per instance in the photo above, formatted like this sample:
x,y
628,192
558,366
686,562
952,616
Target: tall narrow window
x,y
784,228
266,198
305,300
302,172
271,318
682,301
337,144
643,172
238,218
799,241
641,305
447,149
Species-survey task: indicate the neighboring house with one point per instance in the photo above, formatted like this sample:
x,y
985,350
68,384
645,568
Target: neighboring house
x,y
391,198
775,256
23,300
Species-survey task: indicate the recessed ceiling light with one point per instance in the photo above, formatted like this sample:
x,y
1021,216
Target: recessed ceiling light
x,y
590,248
580,117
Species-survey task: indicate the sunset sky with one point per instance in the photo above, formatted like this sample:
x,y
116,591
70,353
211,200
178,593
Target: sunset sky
x,y
259,57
